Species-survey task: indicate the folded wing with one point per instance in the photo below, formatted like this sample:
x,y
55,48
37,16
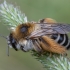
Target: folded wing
x,y
46,29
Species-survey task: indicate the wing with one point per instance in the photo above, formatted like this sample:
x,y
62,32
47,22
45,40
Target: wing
x,y
61,28
46,28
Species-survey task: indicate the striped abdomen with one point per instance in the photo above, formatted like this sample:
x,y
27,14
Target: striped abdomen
x,y
62,39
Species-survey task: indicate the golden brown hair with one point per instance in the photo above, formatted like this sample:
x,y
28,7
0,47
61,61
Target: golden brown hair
x,y
47,20
18,34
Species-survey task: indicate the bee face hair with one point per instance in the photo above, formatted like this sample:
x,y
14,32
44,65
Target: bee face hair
x,y
23,44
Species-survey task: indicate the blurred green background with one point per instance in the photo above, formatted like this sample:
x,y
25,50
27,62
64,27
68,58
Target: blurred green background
x,y
34,10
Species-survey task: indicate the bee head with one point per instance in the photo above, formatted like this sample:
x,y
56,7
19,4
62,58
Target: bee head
x,y
22,44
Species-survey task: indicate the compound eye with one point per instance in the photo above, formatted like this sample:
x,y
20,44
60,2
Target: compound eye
x,y
24,29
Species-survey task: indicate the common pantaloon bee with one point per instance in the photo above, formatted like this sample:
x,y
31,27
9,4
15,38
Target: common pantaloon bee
x,y
44,36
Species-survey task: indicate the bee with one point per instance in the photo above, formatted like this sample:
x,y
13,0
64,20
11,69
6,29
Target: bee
x,y
42,36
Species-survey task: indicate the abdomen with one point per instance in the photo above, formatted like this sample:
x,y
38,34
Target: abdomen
x,y
61,39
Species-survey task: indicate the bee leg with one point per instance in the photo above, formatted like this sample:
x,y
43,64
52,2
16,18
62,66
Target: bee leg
x,y
65,54
50,54
53,46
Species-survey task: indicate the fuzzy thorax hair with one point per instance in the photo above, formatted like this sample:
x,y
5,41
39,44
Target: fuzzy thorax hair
x,y
23,30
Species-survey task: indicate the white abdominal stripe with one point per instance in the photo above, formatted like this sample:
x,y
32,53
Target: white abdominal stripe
x,y
62,39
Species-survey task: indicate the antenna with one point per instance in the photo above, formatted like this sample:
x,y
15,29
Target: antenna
x,y
3,36
8,50
8,45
